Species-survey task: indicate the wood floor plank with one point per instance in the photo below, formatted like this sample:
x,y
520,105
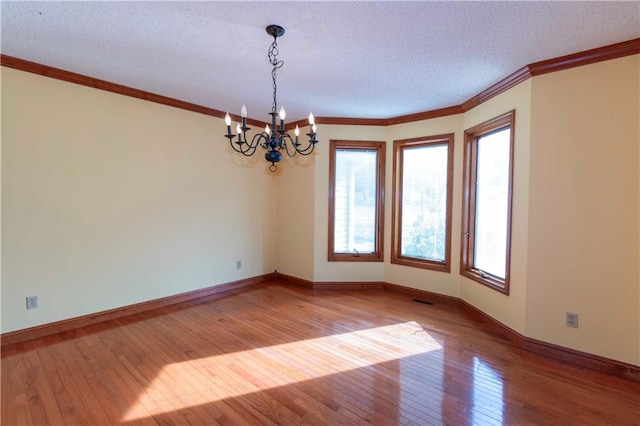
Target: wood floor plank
x,y
283,355
44,406
84,405
57,384
14,395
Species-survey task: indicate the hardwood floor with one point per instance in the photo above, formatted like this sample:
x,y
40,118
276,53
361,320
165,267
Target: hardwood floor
x,y
283,355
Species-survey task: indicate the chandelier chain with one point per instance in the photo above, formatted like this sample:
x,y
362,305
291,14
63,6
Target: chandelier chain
x,y
273,59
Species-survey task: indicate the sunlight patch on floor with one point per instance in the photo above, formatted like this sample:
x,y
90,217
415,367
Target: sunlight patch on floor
x,y
234,374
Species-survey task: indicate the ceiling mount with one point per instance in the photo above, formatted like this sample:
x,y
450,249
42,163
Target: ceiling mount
x,y
275,30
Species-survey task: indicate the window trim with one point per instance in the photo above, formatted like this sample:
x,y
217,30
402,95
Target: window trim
x,y
380,148
396,215
467,247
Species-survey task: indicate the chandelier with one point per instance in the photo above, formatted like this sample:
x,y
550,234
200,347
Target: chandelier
x,y
275,139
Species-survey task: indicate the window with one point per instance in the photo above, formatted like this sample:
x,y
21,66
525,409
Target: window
x,y
356,200
486,211
422,192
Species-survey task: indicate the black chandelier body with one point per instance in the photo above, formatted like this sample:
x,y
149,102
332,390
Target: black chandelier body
x,y
275,139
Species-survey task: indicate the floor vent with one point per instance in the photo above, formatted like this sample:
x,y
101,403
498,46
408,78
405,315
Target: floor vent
x,y
424,302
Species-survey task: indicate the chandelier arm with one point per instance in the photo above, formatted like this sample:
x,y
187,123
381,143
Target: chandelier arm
x,y
260,140
247,152
311,144
307,150
245,148
235,145
287,141
238,150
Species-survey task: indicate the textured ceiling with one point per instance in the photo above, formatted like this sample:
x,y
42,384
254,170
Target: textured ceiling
x,y
342,59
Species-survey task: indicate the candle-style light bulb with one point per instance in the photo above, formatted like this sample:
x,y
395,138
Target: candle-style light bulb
x,y
314,128
243,114
238,129
227,121
312,119
267,129
282,115
297,131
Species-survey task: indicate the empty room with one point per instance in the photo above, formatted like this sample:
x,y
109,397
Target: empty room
x,y
368,212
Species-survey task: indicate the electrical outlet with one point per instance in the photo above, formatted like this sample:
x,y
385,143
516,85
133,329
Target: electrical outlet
x,y
32,302
572,320
238,264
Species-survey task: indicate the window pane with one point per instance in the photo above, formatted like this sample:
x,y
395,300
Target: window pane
x,y
424,202
355,201
492,200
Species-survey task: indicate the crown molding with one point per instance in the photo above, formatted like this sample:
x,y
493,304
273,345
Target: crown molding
x,y
604,53
600,54
83,80
587,57
435,113
352,121
503,85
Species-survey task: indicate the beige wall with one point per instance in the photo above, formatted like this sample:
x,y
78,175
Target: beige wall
x,y
296,215
509,310
584,208
1,72
109,200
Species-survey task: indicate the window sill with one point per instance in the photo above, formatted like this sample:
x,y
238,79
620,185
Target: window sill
x,y
350,257
423,264
487,280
